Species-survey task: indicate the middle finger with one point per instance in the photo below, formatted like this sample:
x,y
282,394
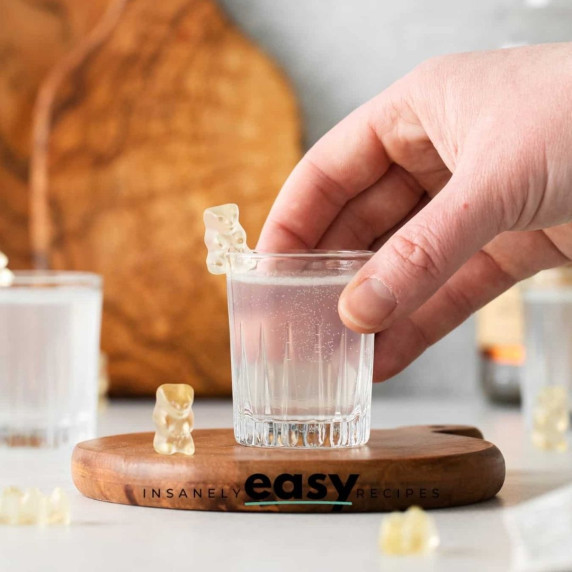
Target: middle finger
x,y
374,212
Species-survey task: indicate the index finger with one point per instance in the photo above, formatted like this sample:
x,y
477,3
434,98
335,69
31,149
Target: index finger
x,y
344,162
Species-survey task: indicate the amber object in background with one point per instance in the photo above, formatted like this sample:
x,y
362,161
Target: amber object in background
x,y
500,335
164,110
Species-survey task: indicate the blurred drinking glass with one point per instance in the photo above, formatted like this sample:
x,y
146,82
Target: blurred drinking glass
x,y
49,356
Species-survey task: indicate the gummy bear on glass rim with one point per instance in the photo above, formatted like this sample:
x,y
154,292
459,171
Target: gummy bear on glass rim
x,y
223,234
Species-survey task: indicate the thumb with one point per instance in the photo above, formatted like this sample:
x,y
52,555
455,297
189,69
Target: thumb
x,y
420,257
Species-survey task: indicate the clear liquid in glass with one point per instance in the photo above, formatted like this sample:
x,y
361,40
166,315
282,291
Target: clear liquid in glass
x,y
49,353
300,377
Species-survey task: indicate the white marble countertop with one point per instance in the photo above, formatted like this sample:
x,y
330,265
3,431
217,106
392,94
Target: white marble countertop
x,y
108,537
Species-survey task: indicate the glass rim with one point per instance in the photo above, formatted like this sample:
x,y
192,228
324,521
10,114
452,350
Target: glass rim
x,y
55,278
306,253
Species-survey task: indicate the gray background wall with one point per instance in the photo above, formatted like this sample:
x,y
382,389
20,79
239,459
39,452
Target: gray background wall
x,y
338,54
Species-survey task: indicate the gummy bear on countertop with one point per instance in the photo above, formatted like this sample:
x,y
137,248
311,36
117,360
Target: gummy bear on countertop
x,y
173,417
223,234
31,506
551,419
409,532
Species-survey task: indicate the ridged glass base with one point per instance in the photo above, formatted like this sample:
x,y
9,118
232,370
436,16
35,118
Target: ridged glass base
x,y
333,434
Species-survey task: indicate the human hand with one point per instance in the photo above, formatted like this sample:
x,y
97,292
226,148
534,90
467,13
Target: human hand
x,y
459,175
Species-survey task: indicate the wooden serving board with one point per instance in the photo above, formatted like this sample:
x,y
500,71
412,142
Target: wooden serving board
x,y
430,466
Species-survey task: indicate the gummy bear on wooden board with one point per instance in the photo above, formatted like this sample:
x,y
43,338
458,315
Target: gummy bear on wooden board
x,y
172,112
174,419
34,35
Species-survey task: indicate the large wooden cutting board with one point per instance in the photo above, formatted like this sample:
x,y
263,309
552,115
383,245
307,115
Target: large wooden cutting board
x,y
34,35
428,466
167,111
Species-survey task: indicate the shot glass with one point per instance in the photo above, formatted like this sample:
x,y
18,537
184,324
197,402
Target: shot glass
x,y
49,353
300,378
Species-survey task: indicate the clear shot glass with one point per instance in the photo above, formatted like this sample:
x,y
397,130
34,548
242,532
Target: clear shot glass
x,y
49,353
300,378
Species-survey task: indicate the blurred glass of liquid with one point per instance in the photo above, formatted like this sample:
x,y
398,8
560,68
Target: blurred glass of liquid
x,y
547,376
49,358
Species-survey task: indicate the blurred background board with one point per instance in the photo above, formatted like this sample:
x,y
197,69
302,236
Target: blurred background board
x,y
34,35
164,110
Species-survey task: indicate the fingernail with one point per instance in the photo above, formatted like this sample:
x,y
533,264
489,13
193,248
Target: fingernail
x,y
368,305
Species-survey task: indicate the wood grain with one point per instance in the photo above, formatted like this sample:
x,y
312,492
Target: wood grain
x,y
428,466
34,35
169,110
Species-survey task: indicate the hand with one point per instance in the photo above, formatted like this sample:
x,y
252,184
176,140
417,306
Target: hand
x,y
459,175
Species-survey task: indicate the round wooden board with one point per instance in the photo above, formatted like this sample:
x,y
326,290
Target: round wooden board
x,y
429,466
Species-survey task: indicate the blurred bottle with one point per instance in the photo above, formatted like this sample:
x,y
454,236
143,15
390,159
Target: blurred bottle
x,y
500,325
500,336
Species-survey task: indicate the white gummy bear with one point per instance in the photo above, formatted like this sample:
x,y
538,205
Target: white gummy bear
x,y
223,234
10,505
6,276
33,507
174,421
409,532
551,419
58,507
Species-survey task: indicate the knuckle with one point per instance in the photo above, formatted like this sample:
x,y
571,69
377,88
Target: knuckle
x,y
359,224
463,304
417,254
